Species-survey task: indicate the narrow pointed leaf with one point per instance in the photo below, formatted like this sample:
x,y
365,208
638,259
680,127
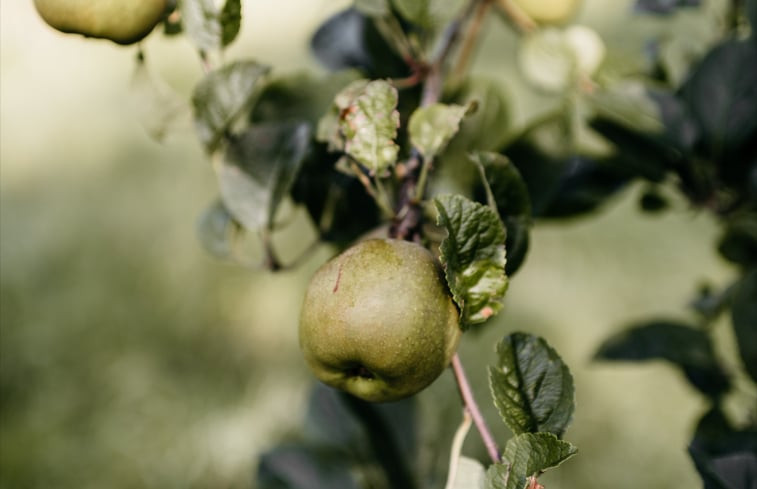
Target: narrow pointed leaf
x,y
473,255
222,96
531,385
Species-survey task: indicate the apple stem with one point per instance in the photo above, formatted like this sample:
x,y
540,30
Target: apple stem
x,y
472,407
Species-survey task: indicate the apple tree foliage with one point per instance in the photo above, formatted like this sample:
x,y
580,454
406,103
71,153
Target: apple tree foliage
x,y
401,134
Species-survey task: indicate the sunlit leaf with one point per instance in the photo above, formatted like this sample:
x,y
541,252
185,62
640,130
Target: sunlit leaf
x,y
473,255
432,126
531,385
470,474
222,96
527,455
259,169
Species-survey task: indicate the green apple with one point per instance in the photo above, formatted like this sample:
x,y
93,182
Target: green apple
x,y
548,11
377,321
121,21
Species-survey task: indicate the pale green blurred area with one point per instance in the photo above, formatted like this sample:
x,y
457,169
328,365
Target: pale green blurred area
x,y
131,358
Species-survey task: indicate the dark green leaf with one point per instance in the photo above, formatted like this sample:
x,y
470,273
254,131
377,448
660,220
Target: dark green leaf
x,y
300,96
512,201
737,470
527,455
364,432
373,8
338,204
432,126
217,230
531,385
739,242
200,19
349,39
722,96
473,255
231,21
222,96
259,170
664,6
652,201
751,12
744,318
686,347
299,466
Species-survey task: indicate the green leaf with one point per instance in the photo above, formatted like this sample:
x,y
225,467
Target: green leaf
x,y
217,230
328,130
427,13
721,95
527,455
373,8
487,128
473,255
744,319
301,466
369,125
739,241
431,127
531,385
686,347
259,169
222,96
207,26
512,200
231,21
299,96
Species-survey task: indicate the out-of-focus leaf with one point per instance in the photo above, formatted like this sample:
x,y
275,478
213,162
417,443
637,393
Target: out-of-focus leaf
x,y
487,128
652,201
531,385
369,125
364,432
512,201
300,96
473,255
350,39
686,347
222,96
259,170
663,6
427,13
373,8
721,94
739,242
299,466
527,455
231,21
736,470
628,105
751,12
471,474
431,127
338,204
217,230
160,110
209,27
744,319
546,60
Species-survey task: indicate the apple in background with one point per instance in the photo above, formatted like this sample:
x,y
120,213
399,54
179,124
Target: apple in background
x,y
121,21
377,321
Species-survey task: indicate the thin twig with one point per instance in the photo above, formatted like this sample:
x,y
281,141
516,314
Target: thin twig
x,y
470,403
471,36
522,21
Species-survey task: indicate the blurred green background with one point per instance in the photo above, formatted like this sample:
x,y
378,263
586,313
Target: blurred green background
x,y
131,358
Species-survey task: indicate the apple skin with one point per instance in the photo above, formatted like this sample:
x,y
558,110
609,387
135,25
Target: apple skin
x,y
121,21
548,11
378,322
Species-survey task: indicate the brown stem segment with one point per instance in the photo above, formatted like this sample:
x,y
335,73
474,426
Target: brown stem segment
x,y
470,404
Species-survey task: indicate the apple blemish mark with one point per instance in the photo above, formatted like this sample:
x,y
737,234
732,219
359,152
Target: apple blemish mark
x,y
338,278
